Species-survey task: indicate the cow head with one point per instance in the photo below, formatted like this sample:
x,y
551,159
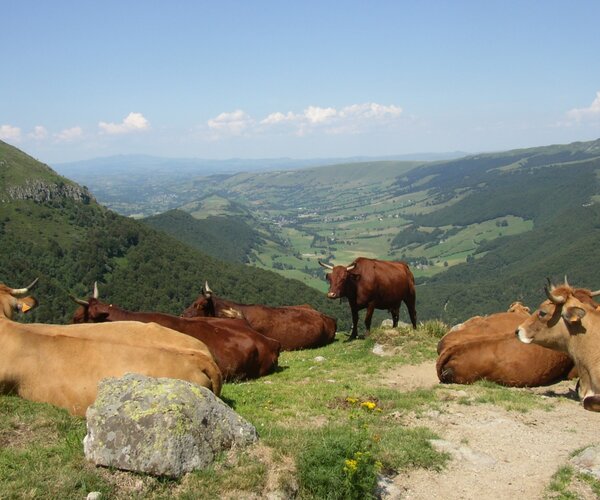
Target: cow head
x,y
339,278
558,318
203,306
91,310
11,300
518,307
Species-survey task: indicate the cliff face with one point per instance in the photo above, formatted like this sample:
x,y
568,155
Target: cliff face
x,y
41,191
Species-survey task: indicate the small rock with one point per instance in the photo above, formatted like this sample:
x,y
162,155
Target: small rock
x,y
379,350
319,359
588,461
386,488
94,495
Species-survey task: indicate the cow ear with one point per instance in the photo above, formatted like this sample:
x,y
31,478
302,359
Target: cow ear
x,y
573,315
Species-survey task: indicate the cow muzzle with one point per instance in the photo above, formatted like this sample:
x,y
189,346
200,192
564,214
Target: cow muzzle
x,y
522,336
332,295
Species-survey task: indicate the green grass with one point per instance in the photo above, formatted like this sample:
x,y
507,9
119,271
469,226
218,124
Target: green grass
x,y
327,427
567,482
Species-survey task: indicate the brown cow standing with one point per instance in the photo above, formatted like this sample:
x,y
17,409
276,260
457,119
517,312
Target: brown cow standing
x,y
240,351
486,348
295,327
373,284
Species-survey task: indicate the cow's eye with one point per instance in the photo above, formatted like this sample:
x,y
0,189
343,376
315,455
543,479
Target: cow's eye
x,y
542,314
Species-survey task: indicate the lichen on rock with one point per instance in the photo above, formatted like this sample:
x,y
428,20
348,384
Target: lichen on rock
x,y
164,427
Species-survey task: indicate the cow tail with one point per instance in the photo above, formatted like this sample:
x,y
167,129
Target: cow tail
x,y
445,375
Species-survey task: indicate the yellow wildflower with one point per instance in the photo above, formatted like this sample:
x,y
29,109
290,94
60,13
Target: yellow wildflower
x,y
351,464
369,405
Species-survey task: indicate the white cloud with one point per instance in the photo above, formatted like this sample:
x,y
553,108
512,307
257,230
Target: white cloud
x,y
314,114
371,111
69,134
235,123
133,122
580,114
39,133
278,117
353,119
10,133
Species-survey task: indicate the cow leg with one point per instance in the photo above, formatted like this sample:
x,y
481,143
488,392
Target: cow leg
x,y
592,403
368,316
354,332
412,311
395,316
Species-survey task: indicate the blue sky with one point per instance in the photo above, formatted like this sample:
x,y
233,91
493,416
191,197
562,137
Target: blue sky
x,y
262,79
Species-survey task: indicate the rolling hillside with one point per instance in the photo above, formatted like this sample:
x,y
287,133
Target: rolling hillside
x,y
54,229
479,232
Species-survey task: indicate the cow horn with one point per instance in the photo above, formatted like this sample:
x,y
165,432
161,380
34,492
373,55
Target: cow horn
x,y
566,282
21,291
350,267
326,266
555,299
81,302
96,294
595,294
206,291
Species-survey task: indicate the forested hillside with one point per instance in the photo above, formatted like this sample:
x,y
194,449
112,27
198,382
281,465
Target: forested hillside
x,y
223,237
479,232
54,229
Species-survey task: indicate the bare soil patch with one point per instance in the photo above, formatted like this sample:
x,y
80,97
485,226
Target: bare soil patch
x,y
496,454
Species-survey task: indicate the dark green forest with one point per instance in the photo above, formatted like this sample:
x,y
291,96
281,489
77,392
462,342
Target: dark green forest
x,y
223,237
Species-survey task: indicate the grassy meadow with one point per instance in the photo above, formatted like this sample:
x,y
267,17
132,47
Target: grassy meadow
x,y
327,422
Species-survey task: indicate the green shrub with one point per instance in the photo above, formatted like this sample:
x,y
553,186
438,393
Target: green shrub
x,y
339,463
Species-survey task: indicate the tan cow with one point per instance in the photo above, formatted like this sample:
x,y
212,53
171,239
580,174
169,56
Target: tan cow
x,y
503,323
485,347
62,364
570,323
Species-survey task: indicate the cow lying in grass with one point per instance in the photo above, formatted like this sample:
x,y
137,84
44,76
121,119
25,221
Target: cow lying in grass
x,y
486,348
295,327
240,352
570,322
62,364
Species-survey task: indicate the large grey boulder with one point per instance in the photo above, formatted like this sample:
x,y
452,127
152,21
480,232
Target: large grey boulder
x,y
163,427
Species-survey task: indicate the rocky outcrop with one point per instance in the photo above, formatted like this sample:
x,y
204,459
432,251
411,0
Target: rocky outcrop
x,y
163,427
42,191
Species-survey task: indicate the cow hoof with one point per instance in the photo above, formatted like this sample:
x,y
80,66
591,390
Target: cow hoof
x,y
592,403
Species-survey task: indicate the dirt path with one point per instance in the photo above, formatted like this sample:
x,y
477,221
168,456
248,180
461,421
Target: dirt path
x,y
497,454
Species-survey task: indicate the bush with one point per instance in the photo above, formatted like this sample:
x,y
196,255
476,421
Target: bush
x,y
339,463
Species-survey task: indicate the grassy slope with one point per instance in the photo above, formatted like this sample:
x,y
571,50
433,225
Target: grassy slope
x,y
312,417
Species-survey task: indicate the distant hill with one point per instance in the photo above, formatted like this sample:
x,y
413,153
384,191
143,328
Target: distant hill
x,y
222,237
54,229
144,185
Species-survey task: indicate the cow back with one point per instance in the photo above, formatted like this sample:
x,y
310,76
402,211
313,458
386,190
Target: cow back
x,y
76,357
384,283
503,360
